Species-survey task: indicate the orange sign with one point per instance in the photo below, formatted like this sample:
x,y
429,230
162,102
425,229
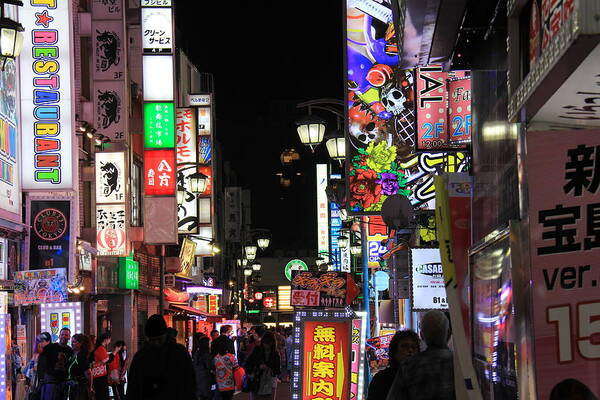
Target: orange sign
x,y
326,360
213,304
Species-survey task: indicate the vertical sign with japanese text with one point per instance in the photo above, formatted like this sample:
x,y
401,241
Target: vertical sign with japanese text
x,y
159,167
110,177
185,127
564,209
322,212
111,225
326,359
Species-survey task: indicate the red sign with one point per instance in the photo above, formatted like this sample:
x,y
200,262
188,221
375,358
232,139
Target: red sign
x,y
213,304
564,184
459,110
207,170
431,108
159,168
306,298
326,360
269,302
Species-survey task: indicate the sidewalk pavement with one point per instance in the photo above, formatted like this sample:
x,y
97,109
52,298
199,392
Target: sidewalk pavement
x,y
283,393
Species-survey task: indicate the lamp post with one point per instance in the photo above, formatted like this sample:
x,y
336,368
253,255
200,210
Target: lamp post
x,y
336,146
11,36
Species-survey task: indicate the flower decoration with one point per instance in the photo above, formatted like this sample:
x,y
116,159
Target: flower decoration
x,y
380,156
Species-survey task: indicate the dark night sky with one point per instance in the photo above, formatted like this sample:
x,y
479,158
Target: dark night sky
x,y
266,56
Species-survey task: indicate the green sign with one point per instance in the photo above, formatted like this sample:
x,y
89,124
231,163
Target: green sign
x,y
294,265
159,125
252,311
129,273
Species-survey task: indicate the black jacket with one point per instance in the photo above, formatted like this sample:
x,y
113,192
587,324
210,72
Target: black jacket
x,y
381,383
257,357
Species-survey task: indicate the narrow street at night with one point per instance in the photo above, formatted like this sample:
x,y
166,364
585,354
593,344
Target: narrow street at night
x,y
299,200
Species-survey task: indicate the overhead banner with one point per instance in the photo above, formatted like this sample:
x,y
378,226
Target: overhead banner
x,y
233,214
110,177
10,155
40,286
51,234
185,127
322,355
111,230
46,95
428,289
564,178
322,213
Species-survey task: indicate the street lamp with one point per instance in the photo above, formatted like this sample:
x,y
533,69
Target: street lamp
x,y
256,267
198,182
311,130
250,250
356,248
11,36
247,272
263,242
343,241
336,146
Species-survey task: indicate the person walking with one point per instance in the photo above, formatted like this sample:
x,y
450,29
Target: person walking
x,y
162,369
262,366
203,368
117,369
79,380
428,375
403,345
100,361
52,367
31,369
224,364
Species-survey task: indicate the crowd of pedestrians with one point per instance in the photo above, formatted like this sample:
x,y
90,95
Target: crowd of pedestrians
x,y
85,367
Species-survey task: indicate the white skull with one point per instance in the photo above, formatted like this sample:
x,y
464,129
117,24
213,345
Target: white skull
x,y
393,100
364,133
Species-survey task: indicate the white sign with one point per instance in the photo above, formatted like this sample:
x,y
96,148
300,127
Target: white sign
x,y
46,102
199,99
56,316
204,121
109,50
322,212
111,227
204,290
156,3
110,108
110,177
107,9
157,30
427,280
576,102
187,151
158,78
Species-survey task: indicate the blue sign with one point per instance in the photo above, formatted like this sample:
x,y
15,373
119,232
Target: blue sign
x,y
335,225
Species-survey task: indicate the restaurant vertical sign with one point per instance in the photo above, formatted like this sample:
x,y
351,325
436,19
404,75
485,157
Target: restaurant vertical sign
x,y
564,178
46,95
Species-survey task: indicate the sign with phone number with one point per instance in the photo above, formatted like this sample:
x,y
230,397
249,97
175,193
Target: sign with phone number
x,y
564,182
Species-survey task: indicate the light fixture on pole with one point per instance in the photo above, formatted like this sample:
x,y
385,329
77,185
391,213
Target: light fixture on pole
x,y
180,194
198,182
250,250
215,249
247,272
356,248
343,241
256,267
336,146
263,242
11,36
311,130
319,261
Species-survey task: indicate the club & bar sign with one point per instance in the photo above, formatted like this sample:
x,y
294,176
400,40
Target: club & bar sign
x,y
46,105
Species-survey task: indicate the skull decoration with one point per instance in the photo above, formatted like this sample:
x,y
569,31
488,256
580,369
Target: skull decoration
x,y
393,100
365,133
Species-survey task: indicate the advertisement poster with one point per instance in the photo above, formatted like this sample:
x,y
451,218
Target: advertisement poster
x,y
330,287
380,108
204,121
46,105
56,316
110,177
187,257
9,142
564,178
111,225
40,286
326,360
357,369
50,238
428,290
377,352
376,232
459,111
159,166
431,108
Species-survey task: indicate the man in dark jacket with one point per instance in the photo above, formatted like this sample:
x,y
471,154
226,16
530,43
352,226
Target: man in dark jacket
x,y
162,369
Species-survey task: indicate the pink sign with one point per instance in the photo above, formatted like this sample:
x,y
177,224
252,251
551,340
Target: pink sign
x,y
459,111
564,204
185,127
355,366
431,108
306,298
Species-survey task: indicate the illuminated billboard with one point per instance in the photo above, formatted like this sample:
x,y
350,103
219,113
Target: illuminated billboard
x,y
110,177
46,88
185,127
159,176
111,230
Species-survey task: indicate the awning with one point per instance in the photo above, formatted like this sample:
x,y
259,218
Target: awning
x,y
191,310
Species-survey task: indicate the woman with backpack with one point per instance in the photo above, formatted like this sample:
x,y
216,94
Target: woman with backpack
x,y
202,367
262,367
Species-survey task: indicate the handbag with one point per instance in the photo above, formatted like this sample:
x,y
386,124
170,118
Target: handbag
x,y
265,386
238,377
98,369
